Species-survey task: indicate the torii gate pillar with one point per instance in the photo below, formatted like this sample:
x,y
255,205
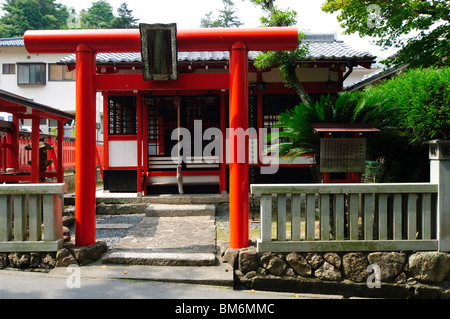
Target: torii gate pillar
x,y
239,181
86,43
85,144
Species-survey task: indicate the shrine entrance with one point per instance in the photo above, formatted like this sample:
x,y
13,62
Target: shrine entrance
x,y
193,114
87,43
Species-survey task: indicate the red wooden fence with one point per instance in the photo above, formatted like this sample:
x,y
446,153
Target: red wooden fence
x,y
25,155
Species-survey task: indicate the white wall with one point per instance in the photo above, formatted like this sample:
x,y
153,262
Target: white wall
x,y
59,95
56,94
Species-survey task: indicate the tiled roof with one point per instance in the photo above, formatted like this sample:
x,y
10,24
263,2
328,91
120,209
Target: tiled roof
x,y
317,51
376,76
335,51
11,42
321,46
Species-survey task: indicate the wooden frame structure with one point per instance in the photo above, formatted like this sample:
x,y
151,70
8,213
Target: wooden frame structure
x,y
23,108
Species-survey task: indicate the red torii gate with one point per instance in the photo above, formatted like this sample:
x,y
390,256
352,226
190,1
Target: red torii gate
x,y
87,43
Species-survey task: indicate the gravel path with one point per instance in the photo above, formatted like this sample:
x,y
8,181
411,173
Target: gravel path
x,y
113,236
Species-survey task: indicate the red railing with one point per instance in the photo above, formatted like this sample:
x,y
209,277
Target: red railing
x,y
25,155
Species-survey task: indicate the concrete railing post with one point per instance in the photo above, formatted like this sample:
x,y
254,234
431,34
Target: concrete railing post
x,y
439,152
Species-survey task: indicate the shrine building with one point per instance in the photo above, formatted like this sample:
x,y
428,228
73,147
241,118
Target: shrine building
x,y
133,115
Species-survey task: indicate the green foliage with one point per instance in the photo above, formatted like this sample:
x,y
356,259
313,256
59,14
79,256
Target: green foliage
x,y
420,29
410,110
125,20
354,107
22,15
285,60
99,16
422,98
227,18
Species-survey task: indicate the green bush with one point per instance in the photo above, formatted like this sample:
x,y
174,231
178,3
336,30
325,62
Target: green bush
x,y
422,100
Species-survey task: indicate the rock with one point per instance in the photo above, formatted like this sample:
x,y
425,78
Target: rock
x,y
429,266
401,278
250,274
314,259
333,259
65,258
80,253
262,271
68,221
328,272
48,261
290,272
299,264
276,266
3,260
391,264
239,273
35,260
19,260
264,259
95,251
355,267
248,260
230,256
66,234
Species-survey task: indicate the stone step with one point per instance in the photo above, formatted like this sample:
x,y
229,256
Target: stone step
x,y
141,257
165,210
130,198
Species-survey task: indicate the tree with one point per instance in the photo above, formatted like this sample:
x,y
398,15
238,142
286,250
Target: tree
x,y
422,98
227,18
419,28
22,15
286,60
125,20
99,16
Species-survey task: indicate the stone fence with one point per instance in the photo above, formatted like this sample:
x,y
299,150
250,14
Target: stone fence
x,y
362,274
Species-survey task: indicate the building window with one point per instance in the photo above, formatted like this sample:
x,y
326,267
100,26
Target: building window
x,y
60,73
274,105
9,68
31,73
122,115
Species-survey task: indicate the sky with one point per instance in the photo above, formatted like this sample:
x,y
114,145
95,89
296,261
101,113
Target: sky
x,y
188,14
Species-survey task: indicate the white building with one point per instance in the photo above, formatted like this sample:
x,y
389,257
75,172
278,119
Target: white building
x,y
39,78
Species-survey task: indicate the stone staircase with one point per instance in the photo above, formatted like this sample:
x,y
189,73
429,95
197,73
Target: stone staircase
x,y
177,231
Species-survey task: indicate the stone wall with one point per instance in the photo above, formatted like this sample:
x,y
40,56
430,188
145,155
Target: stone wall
x,y
374,274
45,261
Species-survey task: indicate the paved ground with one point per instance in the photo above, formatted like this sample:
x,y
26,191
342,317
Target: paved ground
x,y
20,285
188,234
165,248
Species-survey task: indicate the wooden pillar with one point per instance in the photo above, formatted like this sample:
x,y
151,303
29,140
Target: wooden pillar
x,y
13,140
440,174
85,168
223,148
59,155
239,179
35,149
139,145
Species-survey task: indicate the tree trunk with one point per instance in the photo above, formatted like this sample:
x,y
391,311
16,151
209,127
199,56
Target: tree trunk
x,y
296,85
